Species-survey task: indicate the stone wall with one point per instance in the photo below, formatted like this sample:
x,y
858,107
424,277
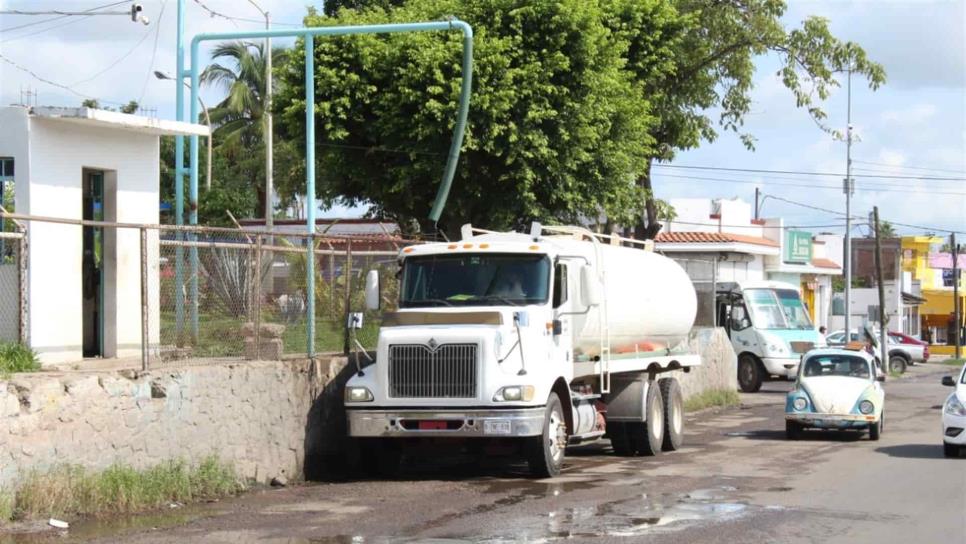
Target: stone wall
x,y
265,417
719,364
270,419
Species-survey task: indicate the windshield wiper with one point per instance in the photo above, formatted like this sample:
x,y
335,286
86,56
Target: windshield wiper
x,y
429,300
501,298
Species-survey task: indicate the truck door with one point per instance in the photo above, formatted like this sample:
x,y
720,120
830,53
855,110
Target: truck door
x,y
562,330
743,336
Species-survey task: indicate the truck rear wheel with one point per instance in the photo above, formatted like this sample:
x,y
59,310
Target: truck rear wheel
x,y
545,453
750,374
648,437
673,414
617,432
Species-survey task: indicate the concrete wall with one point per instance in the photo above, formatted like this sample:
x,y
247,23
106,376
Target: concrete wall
x,y
719,364
265,417
268,418
50,156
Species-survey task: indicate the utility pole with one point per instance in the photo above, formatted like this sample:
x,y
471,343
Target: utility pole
x,y
883,319
956,310
849,188
269,158
756,203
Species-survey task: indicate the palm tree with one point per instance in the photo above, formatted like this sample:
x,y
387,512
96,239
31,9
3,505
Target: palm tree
x,y
239,118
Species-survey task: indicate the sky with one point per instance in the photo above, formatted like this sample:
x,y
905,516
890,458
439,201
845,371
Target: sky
x,y
913,126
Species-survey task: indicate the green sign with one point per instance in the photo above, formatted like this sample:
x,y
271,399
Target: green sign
x,y
798,246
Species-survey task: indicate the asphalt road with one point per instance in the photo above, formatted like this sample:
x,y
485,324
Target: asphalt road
x,y
737,480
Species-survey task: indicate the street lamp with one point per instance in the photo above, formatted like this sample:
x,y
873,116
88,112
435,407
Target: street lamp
x,y
161,75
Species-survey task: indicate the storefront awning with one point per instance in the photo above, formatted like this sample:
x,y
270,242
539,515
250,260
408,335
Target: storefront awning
x,y
910,299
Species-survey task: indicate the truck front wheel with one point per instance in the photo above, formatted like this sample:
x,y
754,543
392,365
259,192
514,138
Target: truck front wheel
x,y
545,453
750,373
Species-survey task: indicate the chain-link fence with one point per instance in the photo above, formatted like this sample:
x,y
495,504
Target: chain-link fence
x,y
703,274
241,293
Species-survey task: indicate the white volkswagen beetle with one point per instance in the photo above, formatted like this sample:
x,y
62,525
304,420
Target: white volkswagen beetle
x,y
954,415
836,389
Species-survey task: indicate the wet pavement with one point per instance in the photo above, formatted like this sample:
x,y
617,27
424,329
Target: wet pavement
x,y
736,480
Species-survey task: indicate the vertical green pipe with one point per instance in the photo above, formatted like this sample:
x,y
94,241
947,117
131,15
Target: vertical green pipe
x,y
310,188
179,181
454,149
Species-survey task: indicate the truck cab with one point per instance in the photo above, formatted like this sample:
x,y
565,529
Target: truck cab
x,y
769,328
500,336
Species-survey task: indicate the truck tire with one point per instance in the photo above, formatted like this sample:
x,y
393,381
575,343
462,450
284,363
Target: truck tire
x,y
898,363
617,432
380,457
545,453
648,437
673,414
750,373
950,450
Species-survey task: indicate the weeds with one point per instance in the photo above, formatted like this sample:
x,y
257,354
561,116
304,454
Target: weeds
x,y
953,362
70,490
6,507
712,397
15,357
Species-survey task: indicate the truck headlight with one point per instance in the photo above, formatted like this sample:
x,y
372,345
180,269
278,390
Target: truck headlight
x,y
800,404
513,393
866,407
954,407
358,394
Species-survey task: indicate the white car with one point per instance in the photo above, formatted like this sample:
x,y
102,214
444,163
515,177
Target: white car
x,y
954,415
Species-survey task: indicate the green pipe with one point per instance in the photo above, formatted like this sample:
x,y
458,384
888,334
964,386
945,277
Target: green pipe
x,y
308,34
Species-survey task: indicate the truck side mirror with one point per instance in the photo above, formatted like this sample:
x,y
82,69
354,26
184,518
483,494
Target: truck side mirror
x,y
372,290
589,287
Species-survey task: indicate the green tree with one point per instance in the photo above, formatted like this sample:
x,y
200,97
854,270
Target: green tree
x,y
557,128
713,73
886,230
130,107
332,7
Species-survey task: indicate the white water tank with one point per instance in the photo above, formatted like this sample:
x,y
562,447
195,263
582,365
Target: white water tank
x,y
649,301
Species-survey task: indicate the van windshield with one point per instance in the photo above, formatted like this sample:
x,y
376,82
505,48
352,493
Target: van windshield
x,y
472,279
777,309
795,313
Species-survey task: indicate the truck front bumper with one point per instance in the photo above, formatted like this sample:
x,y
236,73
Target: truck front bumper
x,y
833,421
477,423
781,366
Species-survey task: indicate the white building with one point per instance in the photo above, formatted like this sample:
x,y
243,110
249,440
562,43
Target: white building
x,y
84,288
725,232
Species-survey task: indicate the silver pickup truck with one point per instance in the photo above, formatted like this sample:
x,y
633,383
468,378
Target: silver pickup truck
x,y
907,353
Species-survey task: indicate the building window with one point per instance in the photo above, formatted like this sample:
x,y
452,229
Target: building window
x,y
6,168
838,306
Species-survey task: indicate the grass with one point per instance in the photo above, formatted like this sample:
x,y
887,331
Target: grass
x,y
69,491
953,362
712,397
15,357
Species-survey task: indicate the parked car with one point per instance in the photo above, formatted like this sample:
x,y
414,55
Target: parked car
x,y
836,389
900,355
954,415
918,349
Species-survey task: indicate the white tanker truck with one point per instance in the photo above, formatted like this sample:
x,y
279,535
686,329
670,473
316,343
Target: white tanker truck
x,y
537,341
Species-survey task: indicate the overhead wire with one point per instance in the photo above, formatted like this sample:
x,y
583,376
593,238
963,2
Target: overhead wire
x,y
154,51
763,183
118,61
81,14
799,172
904,167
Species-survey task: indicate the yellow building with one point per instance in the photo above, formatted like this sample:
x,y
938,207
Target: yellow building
x,y
937,310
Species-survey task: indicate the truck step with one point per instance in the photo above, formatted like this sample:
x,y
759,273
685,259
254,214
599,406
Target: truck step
x,y
584,438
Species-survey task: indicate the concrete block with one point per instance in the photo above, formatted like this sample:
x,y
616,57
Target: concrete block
x,y
9,401
265,330
269,349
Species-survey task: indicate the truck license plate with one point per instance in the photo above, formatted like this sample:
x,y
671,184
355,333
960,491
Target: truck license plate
x,y
498,426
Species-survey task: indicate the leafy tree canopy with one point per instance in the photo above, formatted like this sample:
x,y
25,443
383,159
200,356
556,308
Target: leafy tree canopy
x,y
557,126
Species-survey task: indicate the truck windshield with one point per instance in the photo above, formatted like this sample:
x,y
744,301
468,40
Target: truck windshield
x,y
795,313
472,279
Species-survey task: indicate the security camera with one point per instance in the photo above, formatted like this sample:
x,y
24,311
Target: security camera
x,y
136,16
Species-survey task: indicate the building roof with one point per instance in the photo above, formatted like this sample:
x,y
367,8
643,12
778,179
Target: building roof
x,y
825,263
712,238
111,119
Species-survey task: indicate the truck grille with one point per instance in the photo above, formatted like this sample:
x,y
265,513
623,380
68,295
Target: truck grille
x,y
416,371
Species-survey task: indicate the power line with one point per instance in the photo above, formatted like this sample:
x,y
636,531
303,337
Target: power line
x,y
154,51
903,167
118,61
812,185
54,83
234,18
800,173
785,227
932,229
82,14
